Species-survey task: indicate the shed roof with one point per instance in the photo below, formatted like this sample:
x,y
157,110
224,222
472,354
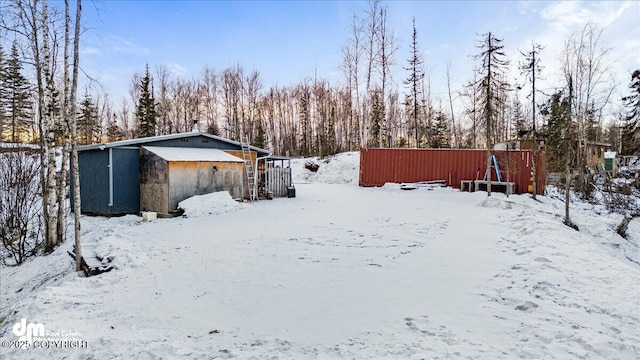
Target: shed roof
x,y
192,154
140,141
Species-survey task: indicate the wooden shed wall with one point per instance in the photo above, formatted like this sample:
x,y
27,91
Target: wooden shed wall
x,y
189,178
154,183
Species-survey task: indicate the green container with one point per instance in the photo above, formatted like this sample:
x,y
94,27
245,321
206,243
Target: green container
x,y
608,164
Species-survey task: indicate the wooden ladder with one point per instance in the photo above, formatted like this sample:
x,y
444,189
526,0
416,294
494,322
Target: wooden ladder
x,y
248,168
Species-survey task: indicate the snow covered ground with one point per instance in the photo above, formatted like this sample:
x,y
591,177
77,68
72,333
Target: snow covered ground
x,y
343,272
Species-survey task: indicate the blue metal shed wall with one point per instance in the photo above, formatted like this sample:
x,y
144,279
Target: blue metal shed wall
x,y
94,181
195,142
126,180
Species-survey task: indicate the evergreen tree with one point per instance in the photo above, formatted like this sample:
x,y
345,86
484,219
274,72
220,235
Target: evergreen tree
x,y
631,128
377,114
146,110
17,105
517,117
213,128
330,144
260,140
3,93
594,132
555,132
304,103
440,137
114,132
414,83
88,125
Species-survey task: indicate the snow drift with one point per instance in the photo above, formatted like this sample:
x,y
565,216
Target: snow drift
x,y
341,168
215,203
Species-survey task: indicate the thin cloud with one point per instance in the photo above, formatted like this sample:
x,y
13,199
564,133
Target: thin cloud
x,y
90,51
119,44
176,69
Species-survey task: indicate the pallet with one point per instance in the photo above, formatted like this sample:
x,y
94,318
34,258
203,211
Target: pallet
x,y
429,185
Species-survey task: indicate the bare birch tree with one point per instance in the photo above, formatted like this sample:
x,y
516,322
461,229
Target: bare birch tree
x,y
74,134
585,60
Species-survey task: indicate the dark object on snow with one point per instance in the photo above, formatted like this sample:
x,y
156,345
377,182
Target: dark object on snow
x,y
291,191
622,227
311,166
429,185
572,225
90,270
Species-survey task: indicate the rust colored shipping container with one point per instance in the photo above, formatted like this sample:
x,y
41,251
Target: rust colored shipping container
x,y
380,166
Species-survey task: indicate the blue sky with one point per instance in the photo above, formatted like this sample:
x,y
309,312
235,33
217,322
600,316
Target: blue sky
x,y
289,40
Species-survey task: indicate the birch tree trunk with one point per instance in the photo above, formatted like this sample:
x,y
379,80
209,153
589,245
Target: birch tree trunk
x,y
74,134
62,175
50,141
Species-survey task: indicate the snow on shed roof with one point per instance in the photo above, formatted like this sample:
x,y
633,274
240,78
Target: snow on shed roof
x,y
192,154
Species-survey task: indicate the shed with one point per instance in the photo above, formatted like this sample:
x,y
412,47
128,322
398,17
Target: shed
x,y
169,175
110,173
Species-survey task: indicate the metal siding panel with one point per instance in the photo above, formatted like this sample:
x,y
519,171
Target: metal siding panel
x,y
94,181
379,166
126,181
195,142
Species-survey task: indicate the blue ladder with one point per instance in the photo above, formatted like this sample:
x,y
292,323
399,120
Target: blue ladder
x,y
495,165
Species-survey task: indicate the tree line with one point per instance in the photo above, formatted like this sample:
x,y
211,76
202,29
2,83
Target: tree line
x,y
315,117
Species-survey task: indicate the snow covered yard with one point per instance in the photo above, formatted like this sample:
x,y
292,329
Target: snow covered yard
x,y
345,272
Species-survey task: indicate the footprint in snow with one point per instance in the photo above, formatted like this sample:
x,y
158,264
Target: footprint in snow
x,y
527,307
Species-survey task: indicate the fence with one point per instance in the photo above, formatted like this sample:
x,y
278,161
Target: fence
x,y
277,180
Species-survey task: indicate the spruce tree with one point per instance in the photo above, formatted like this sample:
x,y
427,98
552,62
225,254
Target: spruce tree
x,y
414,83
592,124
377,114
114,132
146,110
517,116
213,128
440,136
259,140
88,125
555,132
3,93
17,104
631,129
